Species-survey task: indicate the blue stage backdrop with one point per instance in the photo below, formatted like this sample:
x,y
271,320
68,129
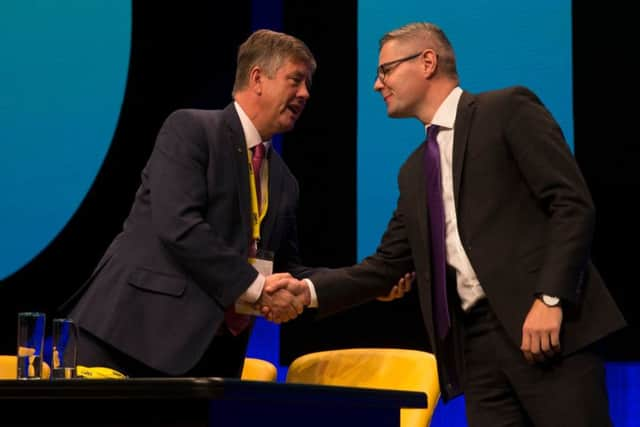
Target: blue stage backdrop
x,y
62,81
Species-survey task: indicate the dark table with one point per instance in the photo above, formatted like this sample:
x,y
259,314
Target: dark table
x,y
198,402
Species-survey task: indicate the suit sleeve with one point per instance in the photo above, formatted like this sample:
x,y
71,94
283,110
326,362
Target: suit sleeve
x,y
554,178
343,288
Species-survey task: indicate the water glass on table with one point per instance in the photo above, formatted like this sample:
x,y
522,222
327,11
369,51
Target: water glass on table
x,y
64,349
31,331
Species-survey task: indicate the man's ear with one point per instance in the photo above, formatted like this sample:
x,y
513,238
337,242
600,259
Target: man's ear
x,y
256,76
430,62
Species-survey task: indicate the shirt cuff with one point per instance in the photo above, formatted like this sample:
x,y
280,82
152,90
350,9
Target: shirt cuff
x,y
312,292
254,291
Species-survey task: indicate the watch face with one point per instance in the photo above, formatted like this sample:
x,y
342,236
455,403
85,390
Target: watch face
x,y
550,301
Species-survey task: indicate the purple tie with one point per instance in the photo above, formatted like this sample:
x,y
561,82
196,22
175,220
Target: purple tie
x,y
239,322
437,232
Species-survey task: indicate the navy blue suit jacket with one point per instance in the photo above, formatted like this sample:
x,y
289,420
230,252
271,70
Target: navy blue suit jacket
x,y
160,291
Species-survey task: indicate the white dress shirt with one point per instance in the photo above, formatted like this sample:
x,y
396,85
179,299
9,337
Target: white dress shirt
x,y
468,286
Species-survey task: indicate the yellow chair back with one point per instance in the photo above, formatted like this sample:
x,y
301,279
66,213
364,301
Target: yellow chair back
x,y
258,370
9,368
384,368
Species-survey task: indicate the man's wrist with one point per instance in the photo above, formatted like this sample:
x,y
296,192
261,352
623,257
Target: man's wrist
x,y
313,297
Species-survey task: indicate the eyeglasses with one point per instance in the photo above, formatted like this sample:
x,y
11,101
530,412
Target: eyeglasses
x,y
383,70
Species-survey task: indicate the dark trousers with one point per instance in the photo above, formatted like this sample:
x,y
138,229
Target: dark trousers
x,y
223,358
502,389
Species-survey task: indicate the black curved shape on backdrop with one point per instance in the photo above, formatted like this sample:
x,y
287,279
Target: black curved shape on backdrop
x,y
182,55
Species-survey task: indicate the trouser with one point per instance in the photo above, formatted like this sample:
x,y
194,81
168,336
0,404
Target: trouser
x,y
502,389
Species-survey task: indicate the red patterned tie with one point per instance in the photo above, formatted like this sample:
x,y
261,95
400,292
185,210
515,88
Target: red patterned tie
x,y
236,323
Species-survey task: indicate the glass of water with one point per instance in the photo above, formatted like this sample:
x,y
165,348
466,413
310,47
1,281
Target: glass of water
x,y
31,331
64,349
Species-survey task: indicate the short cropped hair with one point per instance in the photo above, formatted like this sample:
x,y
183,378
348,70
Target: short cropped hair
x,y
269,50
429,36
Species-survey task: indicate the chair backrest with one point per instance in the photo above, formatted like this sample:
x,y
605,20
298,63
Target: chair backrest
x,y
258,370
9,368
386,368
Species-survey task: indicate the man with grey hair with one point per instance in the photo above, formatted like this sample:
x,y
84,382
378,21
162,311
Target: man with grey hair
x,y
172,294
497,221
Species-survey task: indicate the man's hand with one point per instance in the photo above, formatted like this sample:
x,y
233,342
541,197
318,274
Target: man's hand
x,y
541,332
283,298
402,287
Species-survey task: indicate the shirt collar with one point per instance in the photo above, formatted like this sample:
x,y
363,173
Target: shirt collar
x,y
445,115
251,134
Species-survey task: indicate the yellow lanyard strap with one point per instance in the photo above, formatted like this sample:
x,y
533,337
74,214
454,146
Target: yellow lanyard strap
x,y
256,215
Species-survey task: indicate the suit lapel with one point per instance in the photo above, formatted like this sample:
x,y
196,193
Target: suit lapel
x,y
461,137
275,193
241,165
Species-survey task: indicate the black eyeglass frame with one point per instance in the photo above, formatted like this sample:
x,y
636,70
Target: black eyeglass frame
x,y
384,69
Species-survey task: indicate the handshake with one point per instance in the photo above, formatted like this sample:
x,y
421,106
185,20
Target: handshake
x,y
283,297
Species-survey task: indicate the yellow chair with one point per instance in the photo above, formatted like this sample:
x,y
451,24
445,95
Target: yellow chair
x,y
384,368
9,368
258,370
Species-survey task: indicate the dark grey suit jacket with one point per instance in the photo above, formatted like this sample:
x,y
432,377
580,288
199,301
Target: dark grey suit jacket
x,y
525,218
161,289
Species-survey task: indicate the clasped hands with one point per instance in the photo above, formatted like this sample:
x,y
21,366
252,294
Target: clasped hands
x,y
283,297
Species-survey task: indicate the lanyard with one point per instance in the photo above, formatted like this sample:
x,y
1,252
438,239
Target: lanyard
x,y
256,215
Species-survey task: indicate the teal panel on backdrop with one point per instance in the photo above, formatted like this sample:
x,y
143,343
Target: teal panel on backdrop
x,y
62,82
498,43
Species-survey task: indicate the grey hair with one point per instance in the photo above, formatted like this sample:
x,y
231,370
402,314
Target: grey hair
x,y
269,50
431,37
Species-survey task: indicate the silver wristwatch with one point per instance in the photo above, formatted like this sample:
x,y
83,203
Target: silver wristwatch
x,y
549,301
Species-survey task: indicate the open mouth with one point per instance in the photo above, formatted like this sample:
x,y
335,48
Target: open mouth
x,y
295,109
